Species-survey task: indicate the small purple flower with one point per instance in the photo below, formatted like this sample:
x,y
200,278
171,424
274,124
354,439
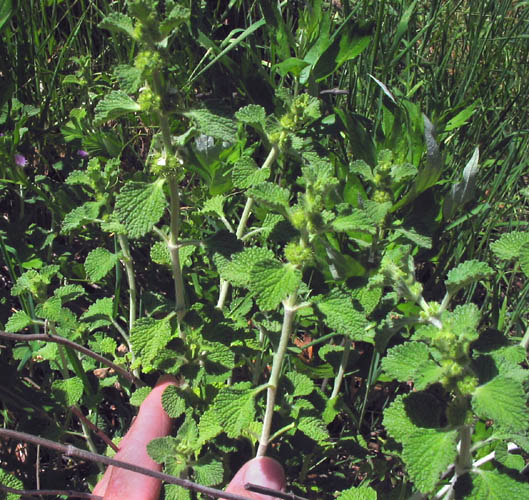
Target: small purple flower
x,y
21,160
82,153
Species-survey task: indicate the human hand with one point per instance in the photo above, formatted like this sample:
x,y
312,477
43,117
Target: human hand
x,y
152,422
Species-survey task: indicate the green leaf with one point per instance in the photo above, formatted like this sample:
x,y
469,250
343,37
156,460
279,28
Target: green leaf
x,y
502,399
412,235
67,293
98,263
235,408
273,282
291,65
237,271
129,78
116,22
403,171
360,493
509,245
163,449
342,317
100,308
51,309
313,428
463,191
253,113
149,338
361,168
208,427
411,361
427,453
358,220
139,395
10,481
494,485
208,471
246,173
461,118
466,273
6,11
214,205
114,105
160,254
301,384
17,321
68,391
173,402
87,212
271,195
140,205
214,125
178,16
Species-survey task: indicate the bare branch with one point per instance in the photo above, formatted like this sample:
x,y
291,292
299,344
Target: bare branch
x,y
72,451
61,340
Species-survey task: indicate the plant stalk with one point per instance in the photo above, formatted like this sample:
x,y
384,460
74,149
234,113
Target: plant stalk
x,y
288,321
129,269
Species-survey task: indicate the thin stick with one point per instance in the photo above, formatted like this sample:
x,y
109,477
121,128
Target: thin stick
x,y
77,412
61,340
269,491
38,493
72,451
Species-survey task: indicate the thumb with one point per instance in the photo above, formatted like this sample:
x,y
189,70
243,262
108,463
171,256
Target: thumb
x,y
263,471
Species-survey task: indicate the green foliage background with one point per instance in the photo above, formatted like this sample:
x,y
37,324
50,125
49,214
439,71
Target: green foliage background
x,y
335,193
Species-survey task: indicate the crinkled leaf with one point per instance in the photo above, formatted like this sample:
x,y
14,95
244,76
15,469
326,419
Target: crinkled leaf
x,y
509,245
237,271
427,453
214,205
208,471
314,428
68,391
67,293
99,262
411,361
360,493
495,485
214,125
101,308
502,399
174,19
175,492
140,205
116,22
301,384
412,235
87,212
51,309
209,426
10,481
219,362
129,78
114,105
149,337
403,171
246,173
163,448
271,195
139,395
173,402
358,220
160,254
342,317
235,408
466,273
361,168
253,113
17,321
463,191
273,282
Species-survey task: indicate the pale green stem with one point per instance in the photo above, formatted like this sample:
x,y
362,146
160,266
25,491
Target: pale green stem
x,y
174,248
341,370
224,285
288,321
525,340
464,457
129,270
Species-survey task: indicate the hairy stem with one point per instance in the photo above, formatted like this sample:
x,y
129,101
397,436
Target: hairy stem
x,y
341,370
224,285
129,269
288,321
